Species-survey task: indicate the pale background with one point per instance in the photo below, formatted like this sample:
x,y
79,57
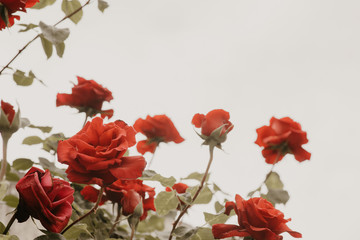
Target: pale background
x,y
255,59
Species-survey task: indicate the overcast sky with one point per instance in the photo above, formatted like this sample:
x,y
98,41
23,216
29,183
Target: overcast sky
x,y
255,59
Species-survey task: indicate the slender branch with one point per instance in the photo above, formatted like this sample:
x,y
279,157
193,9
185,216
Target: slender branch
x,y
117,220
132,232
10,223
4,159
93,210
152,158
86,117
211,149
37,36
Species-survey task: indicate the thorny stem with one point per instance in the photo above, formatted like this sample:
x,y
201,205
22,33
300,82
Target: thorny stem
x,y
93,210
116,221
37,36
8,226
132,232
211,149
4,159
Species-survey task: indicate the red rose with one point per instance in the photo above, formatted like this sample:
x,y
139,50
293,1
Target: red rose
x,y
178,187
88,96
281,137
211,121
127,193
44,198
9,111
8,7
257,218
157,129
95,155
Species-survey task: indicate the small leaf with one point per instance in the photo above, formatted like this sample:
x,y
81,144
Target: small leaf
x,y
4,186
60,48
43,129
53,34
46,164
51,143
151,175
22,164
47,46
204,197
27,27
277,196
165,201
102,5
218,206
11,200
203,234
75,231
70,6
51,236
13,177
212,219
150,224
43,3
22,80
32,140
2,227
183,233
185,197
8,237
197,176
216,188
273,181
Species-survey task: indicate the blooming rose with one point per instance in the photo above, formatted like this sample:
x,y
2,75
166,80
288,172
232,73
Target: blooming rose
x,y
211,121
127,193
88,96
95,155
157,129
9,7
281,137
257,218
44,198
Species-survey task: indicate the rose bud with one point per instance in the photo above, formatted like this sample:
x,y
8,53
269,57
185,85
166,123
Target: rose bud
x,y
10,120
257,218
44,198
281,137
9,7
214,126
157,129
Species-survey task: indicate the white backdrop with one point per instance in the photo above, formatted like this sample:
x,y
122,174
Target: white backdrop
x,y
255,59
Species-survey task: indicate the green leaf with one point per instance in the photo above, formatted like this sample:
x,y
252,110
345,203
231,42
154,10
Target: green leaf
x,y
150,224
75,231
51,143
216,188
27,27
183,233
70,6
218,206
2,227
197,176
60,48
22,80
185,197
22,164
4,186
165,201
212,219
32,140
277,196
13,177
203,234
47,46
273,181
53,34
8,237
51,236
46,164
43,129
102,5
204,197
43,3
151,175
11,200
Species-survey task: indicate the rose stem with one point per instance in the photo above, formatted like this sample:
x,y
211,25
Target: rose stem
x,y
116,221
132,232
86,117
152,158
267,175
8,226
37,36
4,161
93,210
211,150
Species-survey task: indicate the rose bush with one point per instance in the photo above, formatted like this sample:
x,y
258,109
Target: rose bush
x,y
281,137
87,96
95,155
257,218
9,7
44,198
157,129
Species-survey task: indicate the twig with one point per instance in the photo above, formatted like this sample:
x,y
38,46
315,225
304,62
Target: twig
x,y
37,36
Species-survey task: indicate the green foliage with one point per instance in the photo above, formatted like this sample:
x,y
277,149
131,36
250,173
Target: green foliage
x,y
218,206
151,175
212,219
42,128
11,176
46,164
273,181
27,27
22,164
74,232
47,46
51,236
32,140
183,233
203,234
22,80
204,197
102,5
4,186
50,143
11,200
43,3
197,176
53,34
70,6
275,193
165,202
8,237
151,223
2,227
